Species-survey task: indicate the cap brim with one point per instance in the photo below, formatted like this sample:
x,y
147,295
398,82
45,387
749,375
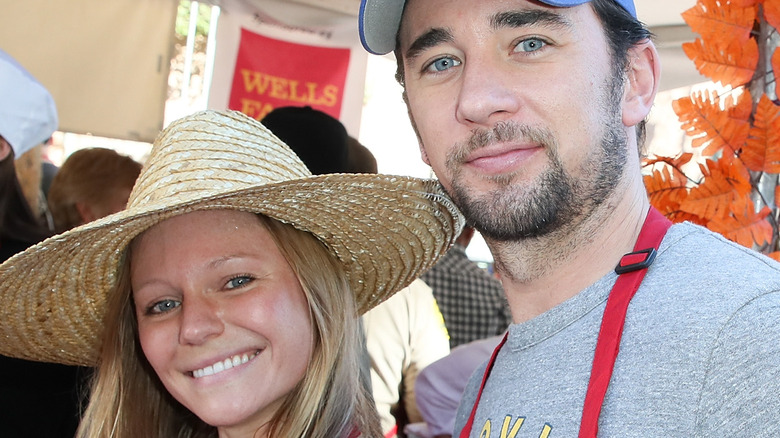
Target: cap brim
x,y
378,24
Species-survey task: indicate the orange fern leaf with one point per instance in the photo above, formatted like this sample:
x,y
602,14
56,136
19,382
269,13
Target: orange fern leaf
x,y
777,195
743,225
775,60
666,197
744,3
665,190
772,13
676,162
713,19
708,125
762,148
728,62
724,181
775,255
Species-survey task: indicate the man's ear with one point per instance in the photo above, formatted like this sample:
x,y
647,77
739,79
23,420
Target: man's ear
x,y
85,212
5,149
642,80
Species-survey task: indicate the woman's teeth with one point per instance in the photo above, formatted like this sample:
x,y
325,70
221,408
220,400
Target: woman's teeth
x,y
226,364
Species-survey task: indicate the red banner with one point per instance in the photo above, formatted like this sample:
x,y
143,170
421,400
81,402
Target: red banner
x,y
271,73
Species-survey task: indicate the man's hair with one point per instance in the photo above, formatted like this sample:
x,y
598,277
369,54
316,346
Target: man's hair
x,y
622,30
94,176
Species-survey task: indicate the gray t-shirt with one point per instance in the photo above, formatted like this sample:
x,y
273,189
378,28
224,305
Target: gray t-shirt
x,y
699,357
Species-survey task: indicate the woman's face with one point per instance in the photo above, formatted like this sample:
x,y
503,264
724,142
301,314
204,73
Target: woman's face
x,y
222,317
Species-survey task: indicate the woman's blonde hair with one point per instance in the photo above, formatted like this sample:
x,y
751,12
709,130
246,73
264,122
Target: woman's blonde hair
x,y
128,400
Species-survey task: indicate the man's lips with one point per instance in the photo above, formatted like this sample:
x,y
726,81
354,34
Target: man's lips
x,y
500,159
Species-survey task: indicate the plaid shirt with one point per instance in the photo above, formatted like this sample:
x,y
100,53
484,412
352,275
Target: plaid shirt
x,y
471,300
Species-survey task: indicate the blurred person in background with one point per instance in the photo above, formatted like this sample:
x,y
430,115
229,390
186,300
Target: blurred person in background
x,y
90,184
36,399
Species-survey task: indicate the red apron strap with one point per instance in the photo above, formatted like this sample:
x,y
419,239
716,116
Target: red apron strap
x,y
632,268
464,433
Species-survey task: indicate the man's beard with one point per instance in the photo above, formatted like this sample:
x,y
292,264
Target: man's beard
x,y
555,199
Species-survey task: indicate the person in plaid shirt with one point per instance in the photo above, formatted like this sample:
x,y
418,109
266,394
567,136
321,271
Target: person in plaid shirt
x,y
470,299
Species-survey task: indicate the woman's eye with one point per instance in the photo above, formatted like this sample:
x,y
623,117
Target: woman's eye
x,y
239,281
530,45
442,64
163,306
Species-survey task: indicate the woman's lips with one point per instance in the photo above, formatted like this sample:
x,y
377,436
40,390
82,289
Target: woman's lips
x,y
226,364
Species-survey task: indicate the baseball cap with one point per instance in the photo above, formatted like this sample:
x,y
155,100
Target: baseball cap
x,y
379,20
28,116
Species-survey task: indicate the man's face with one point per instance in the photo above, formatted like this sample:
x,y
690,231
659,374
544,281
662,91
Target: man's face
x,y
517,110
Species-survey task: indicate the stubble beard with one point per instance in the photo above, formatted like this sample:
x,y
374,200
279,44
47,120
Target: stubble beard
x,y
555,200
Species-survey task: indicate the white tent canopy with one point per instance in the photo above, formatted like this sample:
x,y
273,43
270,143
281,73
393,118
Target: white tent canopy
x,y
106,62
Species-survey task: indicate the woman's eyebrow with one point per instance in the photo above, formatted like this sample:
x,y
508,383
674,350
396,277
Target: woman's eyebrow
x,y
515,19
431,38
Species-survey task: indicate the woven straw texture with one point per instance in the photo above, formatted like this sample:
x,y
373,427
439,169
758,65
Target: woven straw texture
x,y
386,230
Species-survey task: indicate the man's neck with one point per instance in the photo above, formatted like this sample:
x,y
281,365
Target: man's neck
x,y
538,274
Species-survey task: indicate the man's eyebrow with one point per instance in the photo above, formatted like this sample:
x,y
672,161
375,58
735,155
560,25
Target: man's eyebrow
x,y
431,38
515,19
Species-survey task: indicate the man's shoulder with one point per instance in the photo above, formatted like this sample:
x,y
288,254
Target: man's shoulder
x,y
697,264
709,253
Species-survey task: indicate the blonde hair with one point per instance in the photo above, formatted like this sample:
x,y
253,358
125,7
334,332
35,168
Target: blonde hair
x,y
128,400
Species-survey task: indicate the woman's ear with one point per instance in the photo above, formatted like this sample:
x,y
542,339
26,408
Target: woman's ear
x,y
642,80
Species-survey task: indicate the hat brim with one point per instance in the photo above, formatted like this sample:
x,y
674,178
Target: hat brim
x,y
53,296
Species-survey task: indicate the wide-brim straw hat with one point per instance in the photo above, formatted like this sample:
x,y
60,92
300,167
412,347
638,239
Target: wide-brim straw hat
x,y
385,230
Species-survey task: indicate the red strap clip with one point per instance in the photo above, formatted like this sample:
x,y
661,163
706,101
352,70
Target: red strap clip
x,y
636,260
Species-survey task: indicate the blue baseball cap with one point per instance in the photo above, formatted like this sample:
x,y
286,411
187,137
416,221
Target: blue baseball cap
x,y
379,20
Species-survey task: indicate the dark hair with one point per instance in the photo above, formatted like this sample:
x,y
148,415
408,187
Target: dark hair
x,y
17,221
622,30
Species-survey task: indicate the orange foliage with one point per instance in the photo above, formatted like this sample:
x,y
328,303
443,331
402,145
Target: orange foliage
x,y
739,132
730,62
711,19
772,13
743,225
703,119
724,182
761,152
775,60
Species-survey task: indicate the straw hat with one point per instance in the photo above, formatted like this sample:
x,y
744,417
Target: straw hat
x,y
386,230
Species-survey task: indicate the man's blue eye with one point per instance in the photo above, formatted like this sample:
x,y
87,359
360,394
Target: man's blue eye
x,y
164,306
442,64
530,45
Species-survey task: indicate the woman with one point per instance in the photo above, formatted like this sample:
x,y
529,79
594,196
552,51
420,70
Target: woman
x,y
224,300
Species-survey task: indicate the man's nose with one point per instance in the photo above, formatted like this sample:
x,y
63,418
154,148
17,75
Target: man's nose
x,y
488,92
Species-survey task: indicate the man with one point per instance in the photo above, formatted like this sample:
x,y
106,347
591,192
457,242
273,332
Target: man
x,y
471,300
531,113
